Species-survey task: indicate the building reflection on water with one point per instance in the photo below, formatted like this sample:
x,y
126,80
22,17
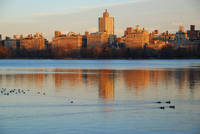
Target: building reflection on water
x,y
136,79
106,84
67,78
105,80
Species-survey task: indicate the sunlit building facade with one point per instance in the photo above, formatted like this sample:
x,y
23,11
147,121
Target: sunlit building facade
x,y
71,41
166,37
106,23
158,41
135,38
31,42
97,39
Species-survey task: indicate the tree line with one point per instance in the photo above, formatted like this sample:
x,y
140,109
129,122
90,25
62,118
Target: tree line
x,y
167,52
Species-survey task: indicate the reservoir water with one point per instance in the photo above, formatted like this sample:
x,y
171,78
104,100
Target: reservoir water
x,y
99,96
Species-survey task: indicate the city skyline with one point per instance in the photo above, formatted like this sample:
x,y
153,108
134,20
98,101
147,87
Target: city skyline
x,y
83,16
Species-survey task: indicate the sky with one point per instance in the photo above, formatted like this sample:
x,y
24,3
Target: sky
x,y
46,16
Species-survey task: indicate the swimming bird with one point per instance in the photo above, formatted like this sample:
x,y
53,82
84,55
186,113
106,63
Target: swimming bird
x,y
168,102
162,107
158,102
172,107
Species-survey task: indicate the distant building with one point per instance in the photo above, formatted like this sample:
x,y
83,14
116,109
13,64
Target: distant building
x,y
166,37
58,34
105,36
84,39
17,40
97,39
194,35
181,37
134,38
67,42
35,42
47,44
120,42
158,41
112,41
153,36
106,23
8,42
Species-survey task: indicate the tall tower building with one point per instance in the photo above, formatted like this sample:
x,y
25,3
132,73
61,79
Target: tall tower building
x,y
106,23
181,28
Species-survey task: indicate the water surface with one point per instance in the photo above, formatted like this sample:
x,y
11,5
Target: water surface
x,y
100,96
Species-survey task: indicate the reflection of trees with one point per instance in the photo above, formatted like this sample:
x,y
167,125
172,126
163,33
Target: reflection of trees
x,y
106,84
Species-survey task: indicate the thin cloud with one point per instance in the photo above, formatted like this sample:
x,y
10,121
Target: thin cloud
x,y
109,5
80,9
19,21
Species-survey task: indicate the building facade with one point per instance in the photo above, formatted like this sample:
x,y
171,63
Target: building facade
x,y
135,38
30,42
166,37
106,23
181,37
153,37
8,42
97,39
71,41
194,35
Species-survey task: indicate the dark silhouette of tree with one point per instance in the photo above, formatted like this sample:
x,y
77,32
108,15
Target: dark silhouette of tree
x,y
105,52
4,52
